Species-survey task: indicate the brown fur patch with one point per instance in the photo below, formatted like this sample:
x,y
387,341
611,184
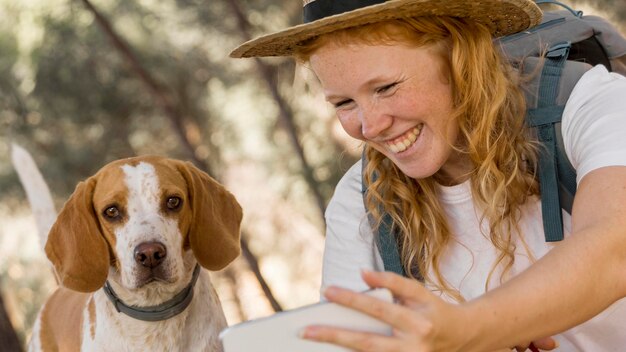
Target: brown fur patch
x,y
76,246
213,235
110,190
61,321
46,335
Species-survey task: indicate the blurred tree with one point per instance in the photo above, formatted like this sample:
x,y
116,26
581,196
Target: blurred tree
x,y
85,92
88,105
285,113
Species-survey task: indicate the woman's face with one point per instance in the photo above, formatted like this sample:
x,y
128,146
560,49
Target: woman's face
x,y
396,98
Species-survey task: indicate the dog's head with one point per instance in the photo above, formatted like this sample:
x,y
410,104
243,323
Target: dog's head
x,y
139,218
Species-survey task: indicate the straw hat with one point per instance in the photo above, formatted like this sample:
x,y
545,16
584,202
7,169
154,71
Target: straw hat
x,y
324,16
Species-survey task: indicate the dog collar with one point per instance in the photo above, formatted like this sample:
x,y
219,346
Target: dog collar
x,y
163,311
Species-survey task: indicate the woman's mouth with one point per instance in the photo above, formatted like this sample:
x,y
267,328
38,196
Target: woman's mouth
x,y
402,143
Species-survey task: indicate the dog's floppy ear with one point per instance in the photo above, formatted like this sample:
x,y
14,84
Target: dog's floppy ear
x,y
76,246
216,217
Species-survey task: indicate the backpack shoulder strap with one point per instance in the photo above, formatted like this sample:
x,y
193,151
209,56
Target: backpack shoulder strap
x,y
546,95
384,235
544,117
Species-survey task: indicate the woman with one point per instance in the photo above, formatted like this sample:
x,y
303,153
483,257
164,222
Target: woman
x,y
449,158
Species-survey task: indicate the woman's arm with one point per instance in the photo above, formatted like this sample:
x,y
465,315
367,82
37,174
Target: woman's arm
x,y
574,282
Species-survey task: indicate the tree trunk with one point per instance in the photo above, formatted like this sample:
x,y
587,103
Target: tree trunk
x,y
285,114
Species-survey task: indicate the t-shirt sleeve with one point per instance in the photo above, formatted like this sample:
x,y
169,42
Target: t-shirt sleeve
x,y
349,245
594,122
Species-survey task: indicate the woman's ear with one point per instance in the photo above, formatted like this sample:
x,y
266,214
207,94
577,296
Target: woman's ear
x,y
75,244
215,220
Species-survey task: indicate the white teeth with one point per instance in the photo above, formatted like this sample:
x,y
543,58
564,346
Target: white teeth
x,y
406,142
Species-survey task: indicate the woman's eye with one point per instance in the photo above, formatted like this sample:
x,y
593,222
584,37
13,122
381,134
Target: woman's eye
x,y
112,212
173,203
386,88
342,103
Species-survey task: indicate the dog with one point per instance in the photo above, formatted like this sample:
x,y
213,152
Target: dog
x,y
131,249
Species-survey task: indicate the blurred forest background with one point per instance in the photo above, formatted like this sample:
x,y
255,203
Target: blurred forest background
x,y
86,82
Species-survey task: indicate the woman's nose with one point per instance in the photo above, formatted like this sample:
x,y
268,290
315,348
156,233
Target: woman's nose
x,y
374,122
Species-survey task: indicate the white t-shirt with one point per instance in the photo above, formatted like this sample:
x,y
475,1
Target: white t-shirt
x,y
593,127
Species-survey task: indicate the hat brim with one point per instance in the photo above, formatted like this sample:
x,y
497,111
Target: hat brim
x,y
502,17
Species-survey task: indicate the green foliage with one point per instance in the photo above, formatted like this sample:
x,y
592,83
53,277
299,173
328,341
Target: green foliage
x,y
88,106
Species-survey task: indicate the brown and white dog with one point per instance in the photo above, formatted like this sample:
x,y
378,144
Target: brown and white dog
x,y
126,248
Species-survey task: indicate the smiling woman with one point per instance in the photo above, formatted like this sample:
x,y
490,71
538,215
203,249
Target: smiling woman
x,y
405,84
449,159
400,102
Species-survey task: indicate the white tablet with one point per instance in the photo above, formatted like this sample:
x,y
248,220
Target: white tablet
x,y
279,332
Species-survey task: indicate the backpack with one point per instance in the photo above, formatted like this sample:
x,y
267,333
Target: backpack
x,y
567,44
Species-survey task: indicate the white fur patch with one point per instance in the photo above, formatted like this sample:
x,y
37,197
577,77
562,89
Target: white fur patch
x,y
146,223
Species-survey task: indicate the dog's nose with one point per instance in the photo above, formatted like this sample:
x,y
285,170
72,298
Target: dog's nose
x,y
150,254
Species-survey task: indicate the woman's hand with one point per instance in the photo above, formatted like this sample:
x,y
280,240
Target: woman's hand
x,y
420,320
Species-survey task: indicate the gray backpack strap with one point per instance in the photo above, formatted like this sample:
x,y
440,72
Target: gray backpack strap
x,y
384,235
544,113
544,117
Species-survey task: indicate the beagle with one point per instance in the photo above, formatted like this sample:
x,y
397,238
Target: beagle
x,y
129,248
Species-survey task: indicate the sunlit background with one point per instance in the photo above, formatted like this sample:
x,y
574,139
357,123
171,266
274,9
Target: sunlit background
x,y
85,82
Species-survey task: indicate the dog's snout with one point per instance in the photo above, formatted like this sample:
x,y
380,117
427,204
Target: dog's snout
x,y
150,254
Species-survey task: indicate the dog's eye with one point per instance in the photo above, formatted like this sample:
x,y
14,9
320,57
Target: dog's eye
x,y
173,203
111,212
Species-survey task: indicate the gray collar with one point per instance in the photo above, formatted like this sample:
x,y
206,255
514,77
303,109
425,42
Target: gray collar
x,y
159,312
